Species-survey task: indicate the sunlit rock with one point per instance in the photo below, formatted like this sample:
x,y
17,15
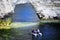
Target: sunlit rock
x,y
45,7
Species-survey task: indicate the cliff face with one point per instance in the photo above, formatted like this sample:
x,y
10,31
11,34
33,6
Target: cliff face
x,y
5,7
46,7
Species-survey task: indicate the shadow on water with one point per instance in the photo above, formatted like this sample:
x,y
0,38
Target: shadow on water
x,y
50,31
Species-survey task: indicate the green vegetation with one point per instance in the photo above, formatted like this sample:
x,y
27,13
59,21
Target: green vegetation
x,y
5,34
5,28
43,22
49,21
5,24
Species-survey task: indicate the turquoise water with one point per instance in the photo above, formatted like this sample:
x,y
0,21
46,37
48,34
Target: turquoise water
x,y
49,32
25,13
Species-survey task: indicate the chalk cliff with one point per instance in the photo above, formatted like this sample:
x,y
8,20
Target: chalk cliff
x,y
46,7
7,6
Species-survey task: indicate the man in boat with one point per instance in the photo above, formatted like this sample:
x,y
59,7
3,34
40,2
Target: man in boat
x,y
36,34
